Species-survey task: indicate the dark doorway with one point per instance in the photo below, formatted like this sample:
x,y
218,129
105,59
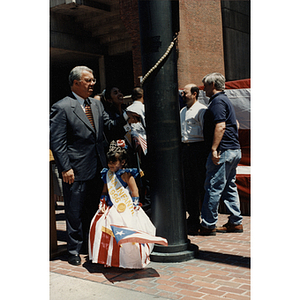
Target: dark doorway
x,y
119,72
118,69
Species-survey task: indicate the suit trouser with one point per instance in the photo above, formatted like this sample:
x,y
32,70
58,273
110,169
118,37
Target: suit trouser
x,y
81,203
194,156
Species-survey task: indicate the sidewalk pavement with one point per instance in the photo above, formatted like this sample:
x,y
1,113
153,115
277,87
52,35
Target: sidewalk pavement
x,y
221,270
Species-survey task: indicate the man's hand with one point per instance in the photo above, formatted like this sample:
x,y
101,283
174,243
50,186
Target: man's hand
x,y
218,135
68,176
215,156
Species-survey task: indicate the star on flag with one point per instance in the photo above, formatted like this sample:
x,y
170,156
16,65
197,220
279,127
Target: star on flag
x,y
136,202
125,235
119,233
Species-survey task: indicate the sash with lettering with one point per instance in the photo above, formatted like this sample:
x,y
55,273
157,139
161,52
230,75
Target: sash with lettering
x,y
120,198
103,247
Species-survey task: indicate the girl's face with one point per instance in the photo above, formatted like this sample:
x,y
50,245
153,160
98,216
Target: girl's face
x,y
116,96
114,166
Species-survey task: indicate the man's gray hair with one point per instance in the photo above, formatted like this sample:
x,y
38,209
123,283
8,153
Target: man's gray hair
x,y
76,73
217,78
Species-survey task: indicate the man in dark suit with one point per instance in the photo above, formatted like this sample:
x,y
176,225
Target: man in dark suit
x,y
77,141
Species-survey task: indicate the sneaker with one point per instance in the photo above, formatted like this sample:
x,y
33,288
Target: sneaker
x,y
206,231
229,227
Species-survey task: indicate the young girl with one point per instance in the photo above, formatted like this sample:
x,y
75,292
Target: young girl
x,y
121,234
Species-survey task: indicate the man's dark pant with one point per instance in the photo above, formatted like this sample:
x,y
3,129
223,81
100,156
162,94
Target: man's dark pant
x,y
194,156
81,200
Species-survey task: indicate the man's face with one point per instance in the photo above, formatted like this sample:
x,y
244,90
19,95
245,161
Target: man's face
x,y
187,96
85,86
208,89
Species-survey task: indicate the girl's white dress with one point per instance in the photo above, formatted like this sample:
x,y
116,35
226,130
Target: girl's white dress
x,y
103,246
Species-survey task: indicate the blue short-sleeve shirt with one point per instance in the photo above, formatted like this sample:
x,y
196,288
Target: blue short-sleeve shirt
x,y
220,110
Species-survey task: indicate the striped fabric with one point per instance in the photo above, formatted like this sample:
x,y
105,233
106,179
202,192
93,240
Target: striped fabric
x,y
138,134
88,112
104,248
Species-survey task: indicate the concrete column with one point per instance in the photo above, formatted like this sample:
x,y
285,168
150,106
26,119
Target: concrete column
x,y
163,132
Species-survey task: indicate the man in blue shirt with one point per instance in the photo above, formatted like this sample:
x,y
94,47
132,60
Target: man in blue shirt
x,y
221,134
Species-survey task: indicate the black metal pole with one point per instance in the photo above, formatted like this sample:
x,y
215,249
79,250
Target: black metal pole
x,y
157,29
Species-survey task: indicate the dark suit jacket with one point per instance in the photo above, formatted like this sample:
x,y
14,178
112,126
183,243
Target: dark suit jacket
x,y
73,140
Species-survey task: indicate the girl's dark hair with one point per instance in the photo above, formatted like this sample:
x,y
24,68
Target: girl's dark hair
x,y
116,152
107,93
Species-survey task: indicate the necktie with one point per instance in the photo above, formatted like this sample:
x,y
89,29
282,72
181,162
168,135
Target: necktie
x,y
88,112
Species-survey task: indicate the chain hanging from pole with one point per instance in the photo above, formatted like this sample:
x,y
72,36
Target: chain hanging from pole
x,y
143,79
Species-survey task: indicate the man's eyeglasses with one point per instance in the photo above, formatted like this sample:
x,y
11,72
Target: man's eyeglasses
x,y
89,80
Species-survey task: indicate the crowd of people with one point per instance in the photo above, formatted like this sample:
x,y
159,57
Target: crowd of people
x,y
99,187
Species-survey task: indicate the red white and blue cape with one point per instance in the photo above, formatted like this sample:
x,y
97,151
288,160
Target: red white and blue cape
x,y
122,240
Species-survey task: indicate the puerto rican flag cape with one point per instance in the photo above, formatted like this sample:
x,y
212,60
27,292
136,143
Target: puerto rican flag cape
x,y
113,243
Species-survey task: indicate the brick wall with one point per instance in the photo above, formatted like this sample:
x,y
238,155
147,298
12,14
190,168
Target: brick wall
x,y
129,11
200,41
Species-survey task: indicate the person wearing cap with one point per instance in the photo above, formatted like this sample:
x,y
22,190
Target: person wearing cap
x,y
138,106
138,134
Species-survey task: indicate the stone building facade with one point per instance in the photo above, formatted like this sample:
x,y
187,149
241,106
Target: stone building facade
x,y
214,36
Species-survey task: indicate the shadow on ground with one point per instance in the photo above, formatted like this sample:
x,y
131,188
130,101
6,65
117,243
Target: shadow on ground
x,y
113,274
230,259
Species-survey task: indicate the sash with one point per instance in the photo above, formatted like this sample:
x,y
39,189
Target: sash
x,y
120,197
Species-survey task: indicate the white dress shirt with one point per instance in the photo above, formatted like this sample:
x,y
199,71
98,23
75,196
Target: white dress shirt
x,y
191,121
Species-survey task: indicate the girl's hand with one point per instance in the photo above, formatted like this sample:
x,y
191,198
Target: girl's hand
x,y
102,205
132,117
136,203
101,209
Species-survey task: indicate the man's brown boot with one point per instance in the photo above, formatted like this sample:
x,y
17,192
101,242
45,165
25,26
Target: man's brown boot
x,y
229,227
206,231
